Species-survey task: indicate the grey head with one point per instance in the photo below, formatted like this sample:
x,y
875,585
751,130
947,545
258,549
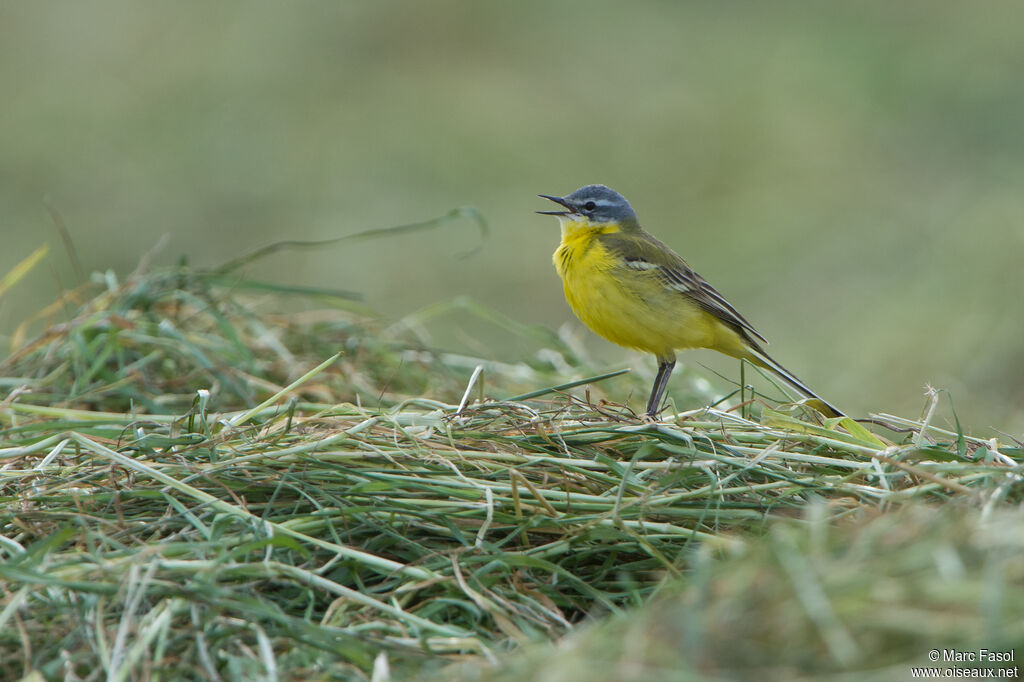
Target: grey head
x,y
596,203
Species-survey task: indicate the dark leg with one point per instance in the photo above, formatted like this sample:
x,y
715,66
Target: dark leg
x,y
665,368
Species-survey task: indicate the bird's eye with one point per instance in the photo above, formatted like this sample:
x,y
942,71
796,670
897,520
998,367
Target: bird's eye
x,y
590,205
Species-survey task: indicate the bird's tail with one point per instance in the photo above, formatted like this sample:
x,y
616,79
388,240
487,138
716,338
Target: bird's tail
x,y
762,359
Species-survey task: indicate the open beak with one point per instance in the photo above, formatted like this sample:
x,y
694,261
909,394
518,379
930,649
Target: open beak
x,y
558,200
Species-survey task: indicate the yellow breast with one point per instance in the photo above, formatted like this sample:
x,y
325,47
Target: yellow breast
x,y
630,307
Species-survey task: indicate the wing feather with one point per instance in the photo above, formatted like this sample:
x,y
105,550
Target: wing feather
x,y
642,251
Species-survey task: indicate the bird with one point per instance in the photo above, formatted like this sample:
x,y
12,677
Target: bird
x,y
633,290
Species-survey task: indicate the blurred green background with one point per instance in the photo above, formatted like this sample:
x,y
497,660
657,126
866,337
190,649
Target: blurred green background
x,y
849,175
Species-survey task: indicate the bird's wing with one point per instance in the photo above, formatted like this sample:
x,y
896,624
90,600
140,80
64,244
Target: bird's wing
x,y
642,251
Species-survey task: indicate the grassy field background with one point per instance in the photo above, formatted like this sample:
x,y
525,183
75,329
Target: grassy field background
x,y
849,176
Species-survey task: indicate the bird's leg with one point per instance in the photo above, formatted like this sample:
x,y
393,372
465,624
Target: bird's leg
x,y
665,368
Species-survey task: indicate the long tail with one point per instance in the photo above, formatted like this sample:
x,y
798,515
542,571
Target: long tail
x,y
762,359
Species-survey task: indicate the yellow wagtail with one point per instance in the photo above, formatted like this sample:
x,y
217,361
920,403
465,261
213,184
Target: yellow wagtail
x,y
634,291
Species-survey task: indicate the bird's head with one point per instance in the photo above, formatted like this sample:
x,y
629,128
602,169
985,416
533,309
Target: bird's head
x,y
595,206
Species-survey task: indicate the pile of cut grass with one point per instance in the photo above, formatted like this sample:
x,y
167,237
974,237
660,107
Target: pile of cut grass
x,y
854,599
190,487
